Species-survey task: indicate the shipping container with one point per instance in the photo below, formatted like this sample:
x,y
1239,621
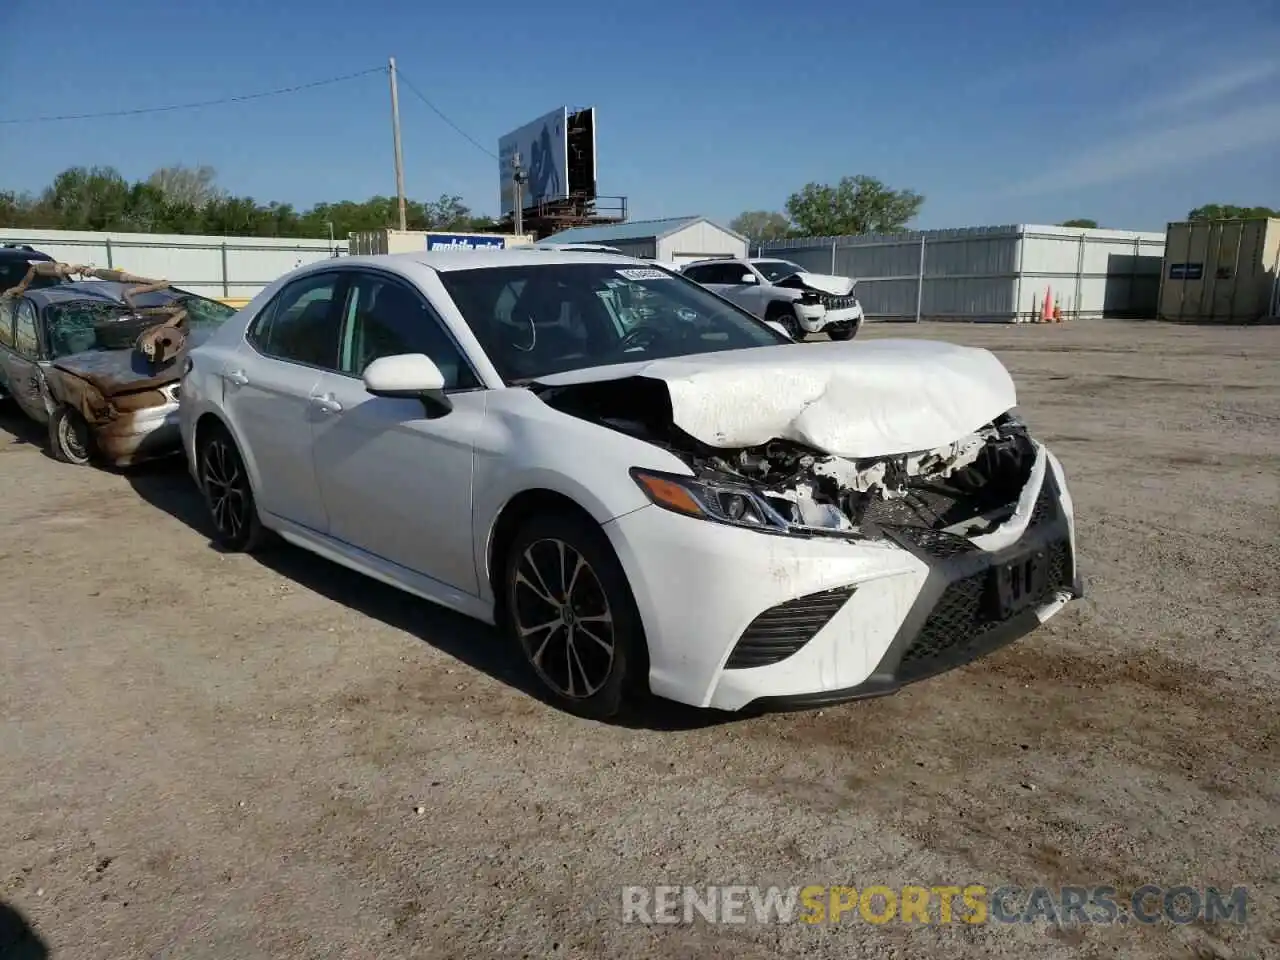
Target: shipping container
x,y
993,274
1225,271
367,243
219,267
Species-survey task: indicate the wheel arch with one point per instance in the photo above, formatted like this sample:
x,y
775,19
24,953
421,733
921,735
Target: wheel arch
x,y
514,512
210,420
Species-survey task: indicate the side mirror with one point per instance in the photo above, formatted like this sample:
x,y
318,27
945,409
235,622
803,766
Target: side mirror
x,y
409,376
777,327
748,278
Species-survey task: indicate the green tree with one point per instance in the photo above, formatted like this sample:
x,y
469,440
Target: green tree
x,y
180,199
1087,224
761,226
1228,211
856,205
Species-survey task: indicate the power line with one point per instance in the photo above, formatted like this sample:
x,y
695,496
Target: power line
x,y
439,113
198,104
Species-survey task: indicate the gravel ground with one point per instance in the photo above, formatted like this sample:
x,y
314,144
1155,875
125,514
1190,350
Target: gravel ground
x,y
207,755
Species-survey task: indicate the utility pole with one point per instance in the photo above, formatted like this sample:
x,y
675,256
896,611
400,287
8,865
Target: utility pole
x,y
518,178
395,130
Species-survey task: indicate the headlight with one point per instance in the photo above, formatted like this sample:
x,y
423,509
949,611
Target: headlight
x,y
723,503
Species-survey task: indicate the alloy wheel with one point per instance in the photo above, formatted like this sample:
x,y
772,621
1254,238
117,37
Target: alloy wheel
x,y
226,487
562,617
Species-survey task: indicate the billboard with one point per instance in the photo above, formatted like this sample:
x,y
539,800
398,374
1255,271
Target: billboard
x,y
544,151
464,241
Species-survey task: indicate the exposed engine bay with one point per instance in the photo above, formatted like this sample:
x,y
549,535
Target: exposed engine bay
x,y
967,488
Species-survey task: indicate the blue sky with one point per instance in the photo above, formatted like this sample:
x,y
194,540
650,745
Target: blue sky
x,y
998,112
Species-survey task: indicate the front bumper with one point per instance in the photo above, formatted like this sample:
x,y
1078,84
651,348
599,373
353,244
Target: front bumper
x,y
138,435
737,619
815,318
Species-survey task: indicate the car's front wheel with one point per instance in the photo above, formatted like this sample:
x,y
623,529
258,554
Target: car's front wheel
x,y
69,438
786,315
227,492
568,605
845,331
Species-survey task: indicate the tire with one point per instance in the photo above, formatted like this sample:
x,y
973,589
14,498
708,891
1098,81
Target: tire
x,y
70,440
786,316
595,664
228,495
845,331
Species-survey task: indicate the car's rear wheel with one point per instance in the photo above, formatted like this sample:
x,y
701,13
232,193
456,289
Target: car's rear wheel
x,y
227,492
69,438
568,605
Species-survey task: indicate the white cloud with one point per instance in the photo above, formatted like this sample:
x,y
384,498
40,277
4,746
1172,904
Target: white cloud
x,y
1209,88
1146,151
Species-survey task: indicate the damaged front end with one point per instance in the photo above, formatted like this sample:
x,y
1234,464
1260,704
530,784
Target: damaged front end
x,y
966,489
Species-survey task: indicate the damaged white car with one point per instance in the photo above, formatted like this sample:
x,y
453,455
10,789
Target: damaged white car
x,y
785,293
685,505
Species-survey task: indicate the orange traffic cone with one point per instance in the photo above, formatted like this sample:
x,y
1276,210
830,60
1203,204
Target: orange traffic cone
x,y
1044,307
1057,311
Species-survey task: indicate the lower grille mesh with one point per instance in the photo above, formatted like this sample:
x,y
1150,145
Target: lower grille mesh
x,y
963,615
781,631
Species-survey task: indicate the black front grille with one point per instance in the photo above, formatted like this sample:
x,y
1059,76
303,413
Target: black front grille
x,y
964,613
832,302
1042,512
937,543
783,630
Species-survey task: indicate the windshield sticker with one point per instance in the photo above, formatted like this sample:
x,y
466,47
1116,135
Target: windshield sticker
x,y
643,273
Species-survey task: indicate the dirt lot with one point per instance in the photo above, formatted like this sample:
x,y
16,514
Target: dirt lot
x,y
207,755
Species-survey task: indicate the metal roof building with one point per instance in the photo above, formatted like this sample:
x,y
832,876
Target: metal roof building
x,y
674,239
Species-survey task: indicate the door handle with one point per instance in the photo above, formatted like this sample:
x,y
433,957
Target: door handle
x,y
327,403
235,376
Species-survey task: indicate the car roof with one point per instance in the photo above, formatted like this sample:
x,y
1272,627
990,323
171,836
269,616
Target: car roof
x,y
447,260
23,253
101,291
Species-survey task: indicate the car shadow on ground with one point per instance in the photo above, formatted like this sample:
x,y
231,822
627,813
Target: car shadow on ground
x,y
18,941
17,429
166,485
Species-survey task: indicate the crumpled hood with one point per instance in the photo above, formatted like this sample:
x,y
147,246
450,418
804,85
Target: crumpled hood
x,y
125,370
828,283
855,399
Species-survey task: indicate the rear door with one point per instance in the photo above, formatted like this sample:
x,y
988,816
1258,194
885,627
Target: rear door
x,y
727,279
270,393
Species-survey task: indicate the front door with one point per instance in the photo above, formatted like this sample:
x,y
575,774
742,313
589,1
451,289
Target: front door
x,y
395,483
270,393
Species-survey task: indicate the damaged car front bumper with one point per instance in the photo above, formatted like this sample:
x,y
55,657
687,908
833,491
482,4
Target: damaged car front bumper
x,y
743,620
835,312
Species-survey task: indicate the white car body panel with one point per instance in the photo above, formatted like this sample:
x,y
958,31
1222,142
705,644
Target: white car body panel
x,y
911,395
836,286
374,484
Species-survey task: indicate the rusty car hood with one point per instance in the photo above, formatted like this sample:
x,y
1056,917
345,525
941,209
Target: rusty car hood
x,y
114,372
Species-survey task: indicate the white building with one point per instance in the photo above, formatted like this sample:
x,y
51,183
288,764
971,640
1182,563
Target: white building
x,y
675,239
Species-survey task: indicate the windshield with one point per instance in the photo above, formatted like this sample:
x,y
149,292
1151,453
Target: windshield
x,y
775,270
537,320
80,326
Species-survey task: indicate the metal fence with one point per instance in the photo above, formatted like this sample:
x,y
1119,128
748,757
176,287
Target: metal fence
x,y
222,267
1000,274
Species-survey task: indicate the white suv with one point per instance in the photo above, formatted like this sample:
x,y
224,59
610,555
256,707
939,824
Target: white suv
x,y
785,293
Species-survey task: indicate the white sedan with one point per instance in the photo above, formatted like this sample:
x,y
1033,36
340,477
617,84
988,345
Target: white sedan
x,y
677,502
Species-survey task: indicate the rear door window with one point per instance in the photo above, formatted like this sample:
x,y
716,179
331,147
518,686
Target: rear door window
x,y
303,324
